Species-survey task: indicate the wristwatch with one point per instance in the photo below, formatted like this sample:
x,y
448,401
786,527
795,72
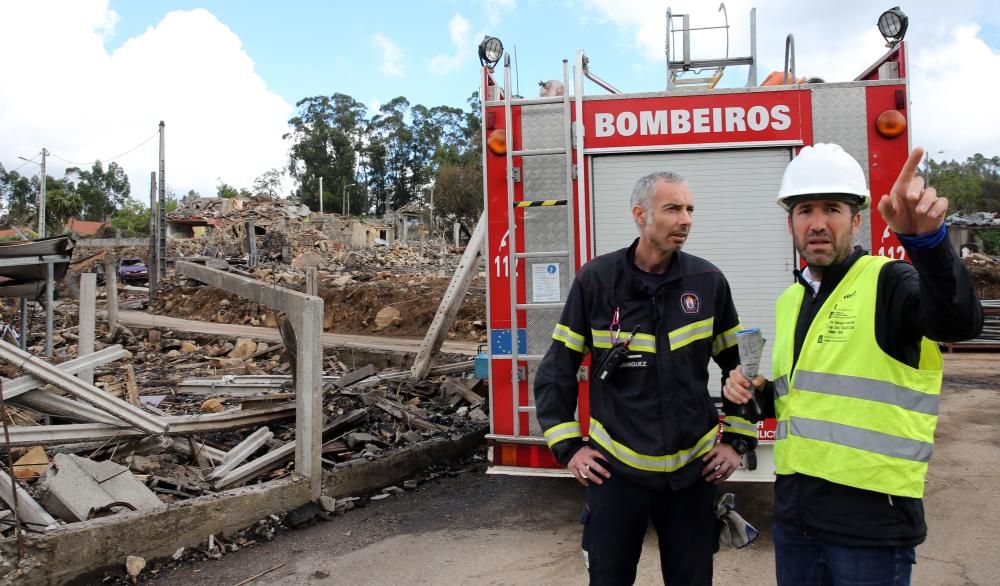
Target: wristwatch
x,y
741,445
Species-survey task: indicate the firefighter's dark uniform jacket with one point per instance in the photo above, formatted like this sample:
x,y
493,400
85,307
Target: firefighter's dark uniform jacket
x,y
653,418
931,298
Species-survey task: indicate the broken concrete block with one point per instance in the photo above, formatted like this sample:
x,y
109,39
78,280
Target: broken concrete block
x,y
360,438
308,259
478,415
212,405
244,349
75,487
134,565
33,464
328,503
386,317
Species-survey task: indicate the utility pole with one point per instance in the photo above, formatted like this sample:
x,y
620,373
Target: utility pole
x,y
345,202
432,211
41,198
321,195
154,263
161,228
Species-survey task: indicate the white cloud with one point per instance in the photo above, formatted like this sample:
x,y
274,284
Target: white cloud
x,y
81,102
458,29
954,93
497,9
392,56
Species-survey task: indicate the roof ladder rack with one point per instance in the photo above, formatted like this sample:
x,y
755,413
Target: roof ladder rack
x,y
704,80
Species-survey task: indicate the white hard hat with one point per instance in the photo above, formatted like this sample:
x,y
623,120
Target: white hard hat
x,y
823,169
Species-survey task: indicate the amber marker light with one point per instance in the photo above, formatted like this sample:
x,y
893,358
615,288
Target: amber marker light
x,y
890,123
497,142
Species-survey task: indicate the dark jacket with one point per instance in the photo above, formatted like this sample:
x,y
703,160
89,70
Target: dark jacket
x,y
657,402
931,298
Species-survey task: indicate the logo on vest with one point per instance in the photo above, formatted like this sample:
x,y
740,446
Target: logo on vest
x,y
690,302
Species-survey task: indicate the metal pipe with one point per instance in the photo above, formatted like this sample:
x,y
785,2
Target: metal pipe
x,y
568,138
789,51
49,300
515,383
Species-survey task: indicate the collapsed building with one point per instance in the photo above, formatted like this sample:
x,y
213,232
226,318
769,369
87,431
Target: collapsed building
x,y
128,421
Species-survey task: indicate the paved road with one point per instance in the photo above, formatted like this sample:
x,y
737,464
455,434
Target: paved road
x,y
147,320
480,529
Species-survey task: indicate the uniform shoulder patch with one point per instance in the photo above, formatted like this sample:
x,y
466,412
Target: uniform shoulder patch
x,y
690,302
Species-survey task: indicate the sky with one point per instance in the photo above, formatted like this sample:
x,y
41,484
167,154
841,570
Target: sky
x,y
91,79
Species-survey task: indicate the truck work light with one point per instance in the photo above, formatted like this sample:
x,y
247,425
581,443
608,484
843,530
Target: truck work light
x,y
892,24
490,51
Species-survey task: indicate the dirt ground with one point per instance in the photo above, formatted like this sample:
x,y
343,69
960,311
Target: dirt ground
x,y
407,304
480,529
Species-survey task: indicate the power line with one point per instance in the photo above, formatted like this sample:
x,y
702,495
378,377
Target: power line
x,y
109,159
26,161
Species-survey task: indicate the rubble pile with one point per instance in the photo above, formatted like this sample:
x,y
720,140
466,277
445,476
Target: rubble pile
x,y
217,546
175,417
985,272
352,302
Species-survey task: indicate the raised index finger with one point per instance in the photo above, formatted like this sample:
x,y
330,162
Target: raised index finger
x,y
907,172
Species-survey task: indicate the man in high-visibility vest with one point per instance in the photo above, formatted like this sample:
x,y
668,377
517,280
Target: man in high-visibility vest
x,y
856,377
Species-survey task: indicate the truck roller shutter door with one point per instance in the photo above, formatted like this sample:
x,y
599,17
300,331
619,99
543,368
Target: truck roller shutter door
x,y
737,226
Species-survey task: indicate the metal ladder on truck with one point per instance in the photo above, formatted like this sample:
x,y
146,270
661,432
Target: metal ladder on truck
x,y
536,216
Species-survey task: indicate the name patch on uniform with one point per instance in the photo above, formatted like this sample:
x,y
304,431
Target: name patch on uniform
x,y
690,302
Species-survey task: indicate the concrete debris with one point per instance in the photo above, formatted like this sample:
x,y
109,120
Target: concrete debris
x,y
134,565
328,504
77,489
174,415
34,463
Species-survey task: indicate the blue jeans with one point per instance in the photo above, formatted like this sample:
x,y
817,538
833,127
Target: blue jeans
x,y
801,560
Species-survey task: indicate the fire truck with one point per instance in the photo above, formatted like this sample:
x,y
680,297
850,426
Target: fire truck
x,y
558,172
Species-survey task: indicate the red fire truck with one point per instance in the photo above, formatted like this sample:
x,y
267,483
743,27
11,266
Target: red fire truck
x,y
558,173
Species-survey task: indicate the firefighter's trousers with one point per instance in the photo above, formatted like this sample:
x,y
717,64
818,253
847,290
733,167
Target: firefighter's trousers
x,y
615,518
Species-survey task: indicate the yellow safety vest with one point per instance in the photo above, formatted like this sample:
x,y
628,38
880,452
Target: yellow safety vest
x,y
849,412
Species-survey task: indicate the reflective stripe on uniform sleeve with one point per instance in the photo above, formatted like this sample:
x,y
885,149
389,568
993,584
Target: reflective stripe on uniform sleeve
x,y
726,339
569,338
667,463
692,332
740,425
563,431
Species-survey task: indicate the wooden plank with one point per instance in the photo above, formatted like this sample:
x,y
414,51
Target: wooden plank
x,y
131,389
451,302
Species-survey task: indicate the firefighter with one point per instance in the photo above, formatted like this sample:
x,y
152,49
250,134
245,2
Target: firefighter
x,y
651,318
856,376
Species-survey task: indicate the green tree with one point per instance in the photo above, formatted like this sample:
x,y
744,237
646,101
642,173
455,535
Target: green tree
x,y
268,184
326,136
17,197
132,218
100,190
228,191
458,193
970,186
62,204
